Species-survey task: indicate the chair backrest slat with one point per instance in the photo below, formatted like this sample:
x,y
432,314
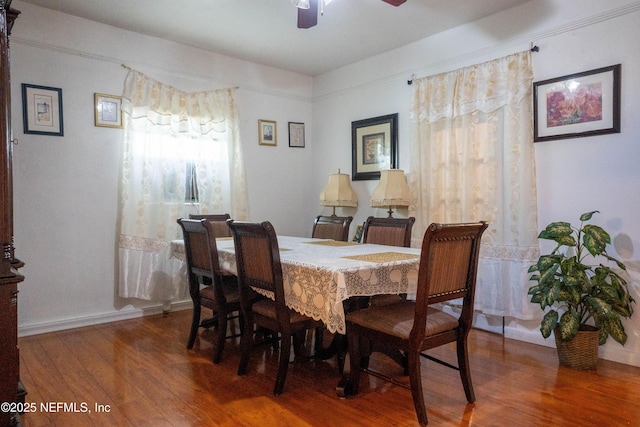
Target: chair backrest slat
x,y
258,256
445,277
258,268
200,245
201,255
388,231
196,244
448,269
332,227
198,251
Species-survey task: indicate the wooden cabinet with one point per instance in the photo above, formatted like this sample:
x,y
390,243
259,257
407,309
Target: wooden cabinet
x,y
9,276
9,363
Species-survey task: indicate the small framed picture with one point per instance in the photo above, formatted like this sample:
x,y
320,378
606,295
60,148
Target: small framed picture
x,y
108,110
42,110
577,105
374,146
296,134
267,132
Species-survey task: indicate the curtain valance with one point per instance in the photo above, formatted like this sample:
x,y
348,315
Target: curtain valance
x,y
482,87
198,113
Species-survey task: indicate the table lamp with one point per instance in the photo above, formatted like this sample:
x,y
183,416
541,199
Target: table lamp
x,y
392,191
338,192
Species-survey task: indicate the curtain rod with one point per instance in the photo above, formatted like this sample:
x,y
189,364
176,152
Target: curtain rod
x,y
534,48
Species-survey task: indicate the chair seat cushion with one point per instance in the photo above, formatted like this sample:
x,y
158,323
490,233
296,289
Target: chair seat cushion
x,y
267,308
229,288
397,319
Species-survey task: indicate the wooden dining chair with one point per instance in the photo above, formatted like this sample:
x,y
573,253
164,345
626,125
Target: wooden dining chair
x,y
331,227
209,286
258,266
448,268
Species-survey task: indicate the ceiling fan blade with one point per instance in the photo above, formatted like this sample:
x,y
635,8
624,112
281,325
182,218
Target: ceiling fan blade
x,y
394,2
308,18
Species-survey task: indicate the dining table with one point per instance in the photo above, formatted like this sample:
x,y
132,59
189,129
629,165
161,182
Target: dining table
x,y
320,274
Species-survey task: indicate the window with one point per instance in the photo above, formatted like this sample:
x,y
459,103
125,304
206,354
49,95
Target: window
x,y
191,183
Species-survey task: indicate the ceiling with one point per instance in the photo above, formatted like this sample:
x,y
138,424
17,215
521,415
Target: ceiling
x,y
265,31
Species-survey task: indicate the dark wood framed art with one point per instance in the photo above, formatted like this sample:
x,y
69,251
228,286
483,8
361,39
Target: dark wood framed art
x,y
374,145
42,110
577,105
296,134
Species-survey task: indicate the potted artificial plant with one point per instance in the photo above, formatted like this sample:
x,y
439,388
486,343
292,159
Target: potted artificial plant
x,y
580,296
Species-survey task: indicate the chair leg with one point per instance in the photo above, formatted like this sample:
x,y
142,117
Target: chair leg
x,y
241,321
465,371
365,352
221,334
283,363
413,359
338,347
320,351
355,363
341,352
195,323
246,344
299,339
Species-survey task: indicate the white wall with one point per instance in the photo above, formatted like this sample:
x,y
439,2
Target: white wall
x,y
573,176
66,187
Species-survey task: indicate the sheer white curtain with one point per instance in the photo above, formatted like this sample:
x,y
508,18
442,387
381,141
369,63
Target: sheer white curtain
x,y
473,159
169,134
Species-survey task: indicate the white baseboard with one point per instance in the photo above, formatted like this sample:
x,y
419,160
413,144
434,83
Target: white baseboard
x,y
79,322
533,337
480,321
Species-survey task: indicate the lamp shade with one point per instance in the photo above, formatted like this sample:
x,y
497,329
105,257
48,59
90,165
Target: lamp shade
x,y
338,192
392,190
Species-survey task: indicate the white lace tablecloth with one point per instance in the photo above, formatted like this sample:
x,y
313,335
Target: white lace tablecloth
x,y
320,274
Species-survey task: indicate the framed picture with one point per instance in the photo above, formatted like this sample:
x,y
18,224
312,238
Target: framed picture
x,y
582,104
42,110
108,110
357,236
374,144
296,134
267,132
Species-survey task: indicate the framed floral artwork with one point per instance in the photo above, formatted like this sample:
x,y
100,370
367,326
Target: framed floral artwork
x,y
577,105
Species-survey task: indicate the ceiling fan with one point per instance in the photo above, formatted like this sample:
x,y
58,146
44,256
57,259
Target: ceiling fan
x,y
308,11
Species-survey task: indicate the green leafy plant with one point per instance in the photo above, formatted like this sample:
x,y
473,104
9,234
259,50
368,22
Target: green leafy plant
x,y
583,293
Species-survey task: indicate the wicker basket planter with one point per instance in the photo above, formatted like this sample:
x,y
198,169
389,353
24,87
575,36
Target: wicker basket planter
x,y
577,283
580,352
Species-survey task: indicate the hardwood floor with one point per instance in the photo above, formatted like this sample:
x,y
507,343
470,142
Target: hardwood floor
x,y
140,373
